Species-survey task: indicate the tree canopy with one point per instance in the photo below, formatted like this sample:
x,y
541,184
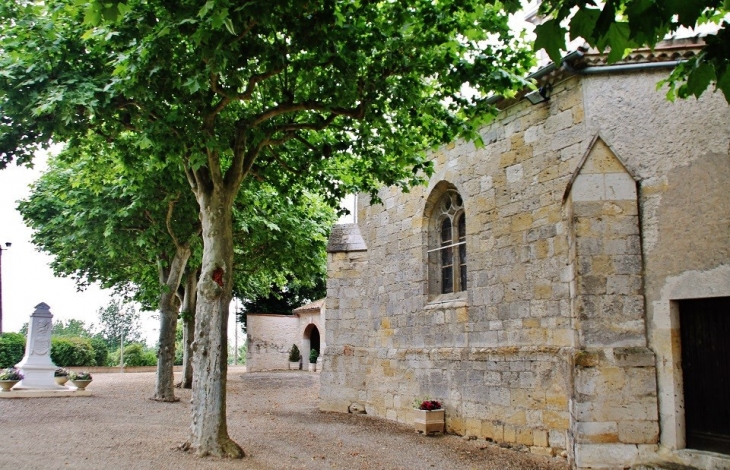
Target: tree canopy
x,y
116,321
623,25
103,223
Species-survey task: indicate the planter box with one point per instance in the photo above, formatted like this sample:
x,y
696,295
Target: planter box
x,y
294,365
428,421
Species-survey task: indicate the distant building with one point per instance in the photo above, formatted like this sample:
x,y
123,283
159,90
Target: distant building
x,y
271,336
565,287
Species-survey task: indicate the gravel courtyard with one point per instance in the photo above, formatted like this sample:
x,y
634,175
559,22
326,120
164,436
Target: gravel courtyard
x,y
273,416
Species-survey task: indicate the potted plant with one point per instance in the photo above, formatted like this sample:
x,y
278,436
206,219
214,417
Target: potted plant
x,y
61,376
81,380
9,377
429,416
294,357
313,355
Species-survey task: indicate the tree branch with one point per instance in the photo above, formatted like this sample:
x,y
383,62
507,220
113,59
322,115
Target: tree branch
x,y
310,126
255,80
280,161
168,220
357,112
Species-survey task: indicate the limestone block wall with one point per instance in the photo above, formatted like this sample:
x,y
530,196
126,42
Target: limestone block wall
x,y
269,339
498,354
345,361
615,397
566,336
680,155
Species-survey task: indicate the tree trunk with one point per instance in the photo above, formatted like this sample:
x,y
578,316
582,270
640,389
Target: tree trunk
x,y
209,431
169,308
189,300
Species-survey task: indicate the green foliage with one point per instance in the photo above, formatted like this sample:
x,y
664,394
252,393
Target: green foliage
x,y
313,355
241,354
12,349
101,351
73,327
294,354
287,298
178,354
322,96
622,25
66,351
116,321
179,345
104,223
135,355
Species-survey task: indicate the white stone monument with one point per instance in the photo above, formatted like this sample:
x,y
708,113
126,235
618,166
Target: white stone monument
x,y
36,365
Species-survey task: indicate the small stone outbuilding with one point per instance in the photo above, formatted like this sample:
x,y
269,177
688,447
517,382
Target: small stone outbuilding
x,y
271,336
565,287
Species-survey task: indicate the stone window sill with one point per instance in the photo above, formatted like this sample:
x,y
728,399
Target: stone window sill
x,y
452,300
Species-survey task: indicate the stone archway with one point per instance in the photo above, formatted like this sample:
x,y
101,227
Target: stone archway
x,y
311,341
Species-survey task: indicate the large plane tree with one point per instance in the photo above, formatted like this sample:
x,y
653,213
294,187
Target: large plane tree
x,y
334,96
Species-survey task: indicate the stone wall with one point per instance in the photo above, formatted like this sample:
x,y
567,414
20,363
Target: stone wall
x,y
269,339
557,343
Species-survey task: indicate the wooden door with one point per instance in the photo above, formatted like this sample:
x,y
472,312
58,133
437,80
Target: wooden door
x,y
705,335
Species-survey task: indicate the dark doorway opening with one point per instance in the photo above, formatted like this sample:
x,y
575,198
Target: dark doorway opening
x,y
314,339
705,334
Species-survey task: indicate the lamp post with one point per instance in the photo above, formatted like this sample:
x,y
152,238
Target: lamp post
x,y
7,245
121,346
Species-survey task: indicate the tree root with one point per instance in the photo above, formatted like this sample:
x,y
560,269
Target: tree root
x,y
226,450
166,400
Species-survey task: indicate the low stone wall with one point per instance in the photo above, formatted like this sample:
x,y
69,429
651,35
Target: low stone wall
x,y
517,395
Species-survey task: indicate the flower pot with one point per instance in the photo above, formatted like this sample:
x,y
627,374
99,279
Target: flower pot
x,y
81,384
61,380
294,365
312,367
429,421
6,385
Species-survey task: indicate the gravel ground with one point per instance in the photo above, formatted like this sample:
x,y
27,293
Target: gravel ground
x,y
274,416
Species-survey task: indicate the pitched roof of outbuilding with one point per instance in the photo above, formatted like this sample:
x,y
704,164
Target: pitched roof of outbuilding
x,y
311,307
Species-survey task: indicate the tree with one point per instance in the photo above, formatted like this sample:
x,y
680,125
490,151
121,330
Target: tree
x,y
287,298
283,299
73,327
332,96
116,322
622,25
133,232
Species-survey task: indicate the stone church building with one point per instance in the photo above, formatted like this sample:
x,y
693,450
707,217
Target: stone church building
x,y
565,287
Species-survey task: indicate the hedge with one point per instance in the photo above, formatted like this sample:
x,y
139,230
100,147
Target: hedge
x,y
12,349
135,355
69,351
101,352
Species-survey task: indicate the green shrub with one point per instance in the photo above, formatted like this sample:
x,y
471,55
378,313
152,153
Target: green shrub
x,y
69,351
294,354
101,351
12,349
136,355
179,353
313,355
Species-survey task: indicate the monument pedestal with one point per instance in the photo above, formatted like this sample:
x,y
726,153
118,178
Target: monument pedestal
x,y
36,365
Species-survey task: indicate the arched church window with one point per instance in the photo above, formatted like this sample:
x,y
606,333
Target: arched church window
x,y
450,240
